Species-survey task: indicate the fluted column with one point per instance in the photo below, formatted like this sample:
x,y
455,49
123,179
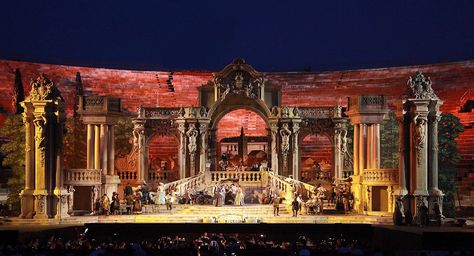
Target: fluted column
x,y
370,146
402,172
90,146
59,191
111,151
104,146
362,147
436,195
40,192
376,163
356,149
27,199
96,147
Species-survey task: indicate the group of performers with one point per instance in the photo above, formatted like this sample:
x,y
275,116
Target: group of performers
x,y
228,194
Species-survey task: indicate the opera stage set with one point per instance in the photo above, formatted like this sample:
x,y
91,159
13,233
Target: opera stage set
x,y
269,134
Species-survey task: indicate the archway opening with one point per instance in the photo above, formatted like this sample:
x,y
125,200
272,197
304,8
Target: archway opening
x,y
163,158
316,158
241,141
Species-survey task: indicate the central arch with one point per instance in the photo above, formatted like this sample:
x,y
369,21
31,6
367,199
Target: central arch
x,y
223,107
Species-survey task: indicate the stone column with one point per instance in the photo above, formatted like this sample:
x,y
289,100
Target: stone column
x,y
336,153
436,195
376,146
356,149
111,151
96,147
296,151
104,146
40,193
59,191
402,132
370,146
356,177
139,133
362,148
182,149
285,134
90,146
192,134
203,151
27,199
419,151
274,149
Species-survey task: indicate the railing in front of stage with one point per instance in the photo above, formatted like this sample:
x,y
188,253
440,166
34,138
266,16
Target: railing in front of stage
x,y
247,177
83,177
380,177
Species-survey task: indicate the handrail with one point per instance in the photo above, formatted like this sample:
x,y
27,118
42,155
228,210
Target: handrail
x,y
246,176
84,177
187,183
287,185
380,176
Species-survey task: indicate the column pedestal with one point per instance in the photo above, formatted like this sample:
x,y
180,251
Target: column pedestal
x,y
110,184
62,207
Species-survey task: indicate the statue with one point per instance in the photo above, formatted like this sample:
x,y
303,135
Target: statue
x,y
44,89
203,111
419,135
192,134
285,138
419,87
181,112
70,198
275,111
285,112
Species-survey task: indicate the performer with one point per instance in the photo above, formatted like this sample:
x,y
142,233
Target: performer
x,y
169,203
115,205
105,203
276,205
127,190
161,194
295,207
239,197
300,202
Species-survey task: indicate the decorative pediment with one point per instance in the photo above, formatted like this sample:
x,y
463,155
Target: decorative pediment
x,y
238,78
419,87
44,89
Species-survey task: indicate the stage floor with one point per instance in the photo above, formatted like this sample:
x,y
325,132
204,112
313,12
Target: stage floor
x,y
211,214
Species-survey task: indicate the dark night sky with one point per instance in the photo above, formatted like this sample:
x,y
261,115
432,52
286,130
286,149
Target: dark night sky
x,y
206,35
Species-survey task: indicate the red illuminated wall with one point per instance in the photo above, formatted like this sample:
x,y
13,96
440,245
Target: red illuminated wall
x,y
163,148
452,82
230,124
